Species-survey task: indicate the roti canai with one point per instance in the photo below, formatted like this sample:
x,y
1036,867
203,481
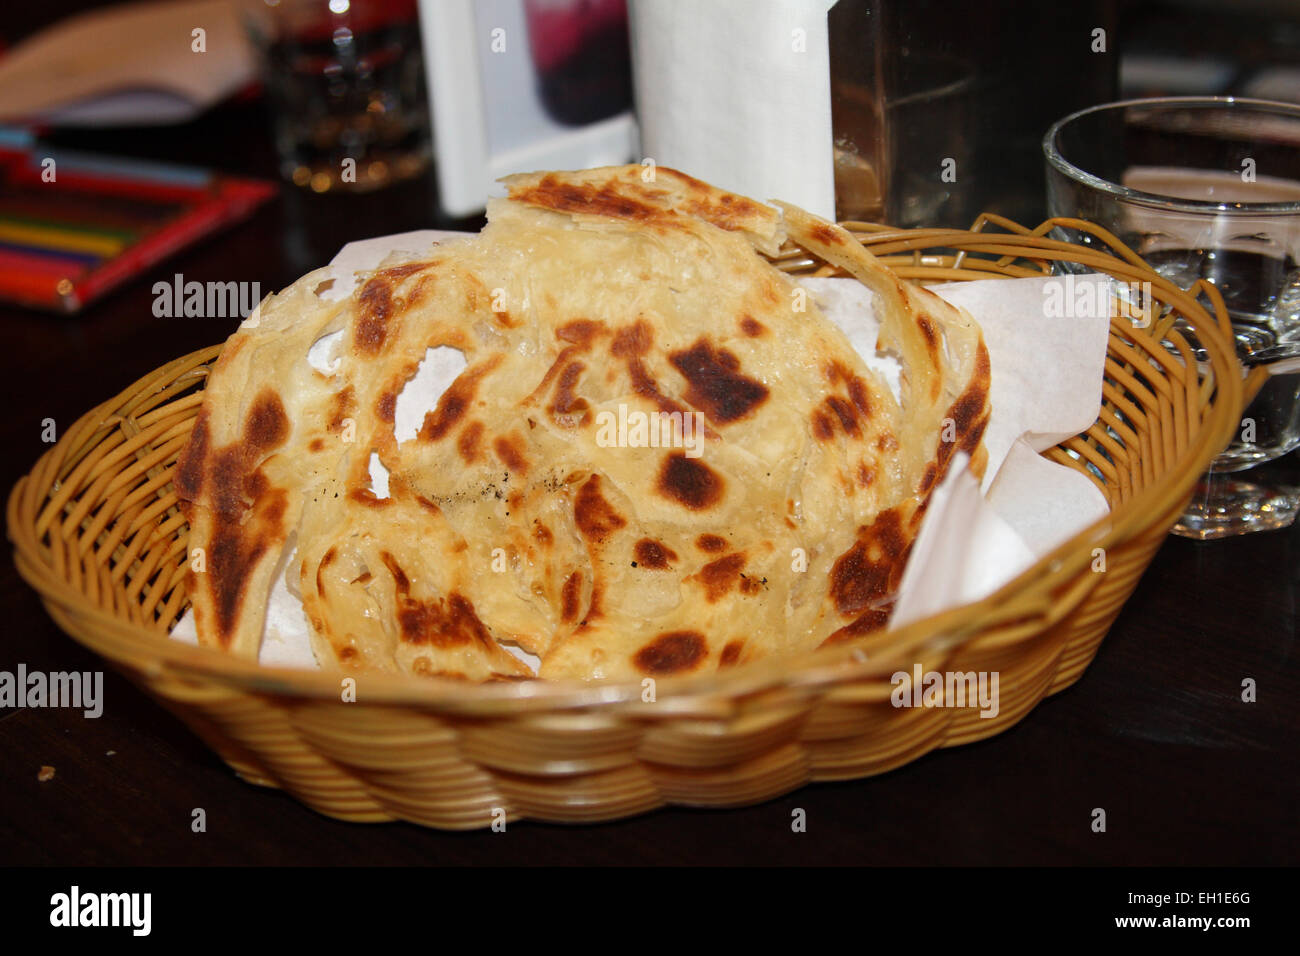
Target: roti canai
x,y
660,458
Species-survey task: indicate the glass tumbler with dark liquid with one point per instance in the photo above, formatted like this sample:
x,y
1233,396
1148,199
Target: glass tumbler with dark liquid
x,y
1206,188
346,88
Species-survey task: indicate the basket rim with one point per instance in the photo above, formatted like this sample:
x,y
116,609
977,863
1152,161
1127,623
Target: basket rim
x,y
719,693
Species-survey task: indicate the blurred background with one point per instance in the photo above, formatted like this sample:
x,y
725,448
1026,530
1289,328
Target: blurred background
x,y
370,117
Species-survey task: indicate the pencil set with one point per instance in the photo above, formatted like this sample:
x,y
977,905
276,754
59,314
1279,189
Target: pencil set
x,y
75,225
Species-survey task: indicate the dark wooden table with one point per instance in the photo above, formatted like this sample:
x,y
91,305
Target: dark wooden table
x,y
1155,732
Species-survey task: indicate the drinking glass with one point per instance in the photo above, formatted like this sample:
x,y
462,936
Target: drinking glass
x,y
1206,188
345,84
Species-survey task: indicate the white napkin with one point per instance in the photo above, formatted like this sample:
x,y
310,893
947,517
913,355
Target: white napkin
x,y
738,93
963,552
1046,385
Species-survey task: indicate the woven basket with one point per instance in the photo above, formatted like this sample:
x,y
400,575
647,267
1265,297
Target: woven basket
x,y
97,532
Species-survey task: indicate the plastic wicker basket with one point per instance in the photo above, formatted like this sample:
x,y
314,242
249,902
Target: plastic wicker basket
x,y
97,532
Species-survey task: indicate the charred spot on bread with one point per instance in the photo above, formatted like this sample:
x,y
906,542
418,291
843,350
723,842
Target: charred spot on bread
x,y
596,518
673,652
715,384
869,571
652,554
730,653
689,482
720,576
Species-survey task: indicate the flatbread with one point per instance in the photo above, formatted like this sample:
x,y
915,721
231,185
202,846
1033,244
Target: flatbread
x,y
660,458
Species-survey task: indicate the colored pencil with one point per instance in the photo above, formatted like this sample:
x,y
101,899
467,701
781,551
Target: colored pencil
x,y
60,239
101,220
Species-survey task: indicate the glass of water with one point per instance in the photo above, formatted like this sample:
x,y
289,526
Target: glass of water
x,y
1206,188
